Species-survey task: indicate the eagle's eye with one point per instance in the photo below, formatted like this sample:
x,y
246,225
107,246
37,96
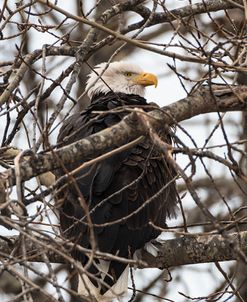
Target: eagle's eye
x,y
128,74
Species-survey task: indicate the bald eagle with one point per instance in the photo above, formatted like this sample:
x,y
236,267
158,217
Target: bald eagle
x,y
114,187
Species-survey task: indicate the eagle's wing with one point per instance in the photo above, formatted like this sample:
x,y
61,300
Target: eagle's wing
x,y
129,188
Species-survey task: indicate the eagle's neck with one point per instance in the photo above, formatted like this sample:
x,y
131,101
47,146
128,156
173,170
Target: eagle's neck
x,y
119,99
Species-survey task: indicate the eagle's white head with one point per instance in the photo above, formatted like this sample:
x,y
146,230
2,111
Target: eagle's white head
x,y
119,77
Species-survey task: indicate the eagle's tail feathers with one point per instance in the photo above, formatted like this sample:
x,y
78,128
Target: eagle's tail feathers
x,y
87,288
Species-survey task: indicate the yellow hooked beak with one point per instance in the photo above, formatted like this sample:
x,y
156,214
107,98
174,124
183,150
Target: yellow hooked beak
x,y
146,79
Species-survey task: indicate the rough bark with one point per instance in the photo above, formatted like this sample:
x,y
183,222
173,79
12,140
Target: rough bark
x,y
190,249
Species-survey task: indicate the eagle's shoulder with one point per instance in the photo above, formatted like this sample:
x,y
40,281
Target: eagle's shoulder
x,y
100,114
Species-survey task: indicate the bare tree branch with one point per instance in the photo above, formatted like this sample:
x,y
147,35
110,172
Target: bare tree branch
x,y
190,249
224,99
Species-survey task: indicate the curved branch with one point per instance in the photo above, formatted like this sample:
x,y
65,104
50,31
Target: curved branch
x,y
206,6
134,42
224,98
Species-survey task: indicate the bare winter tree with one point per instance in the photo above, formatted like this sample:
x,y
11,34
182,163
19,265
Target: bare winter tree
x,y
199,48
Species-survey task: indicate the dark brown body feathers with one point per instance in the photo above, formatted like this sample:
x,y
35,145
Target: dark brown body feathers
x,y
140,176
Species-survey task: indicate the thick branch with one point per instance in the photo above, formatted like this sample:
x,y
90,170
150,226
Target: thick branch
x,y
197,249
191,249
205,6
224,99
168,16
